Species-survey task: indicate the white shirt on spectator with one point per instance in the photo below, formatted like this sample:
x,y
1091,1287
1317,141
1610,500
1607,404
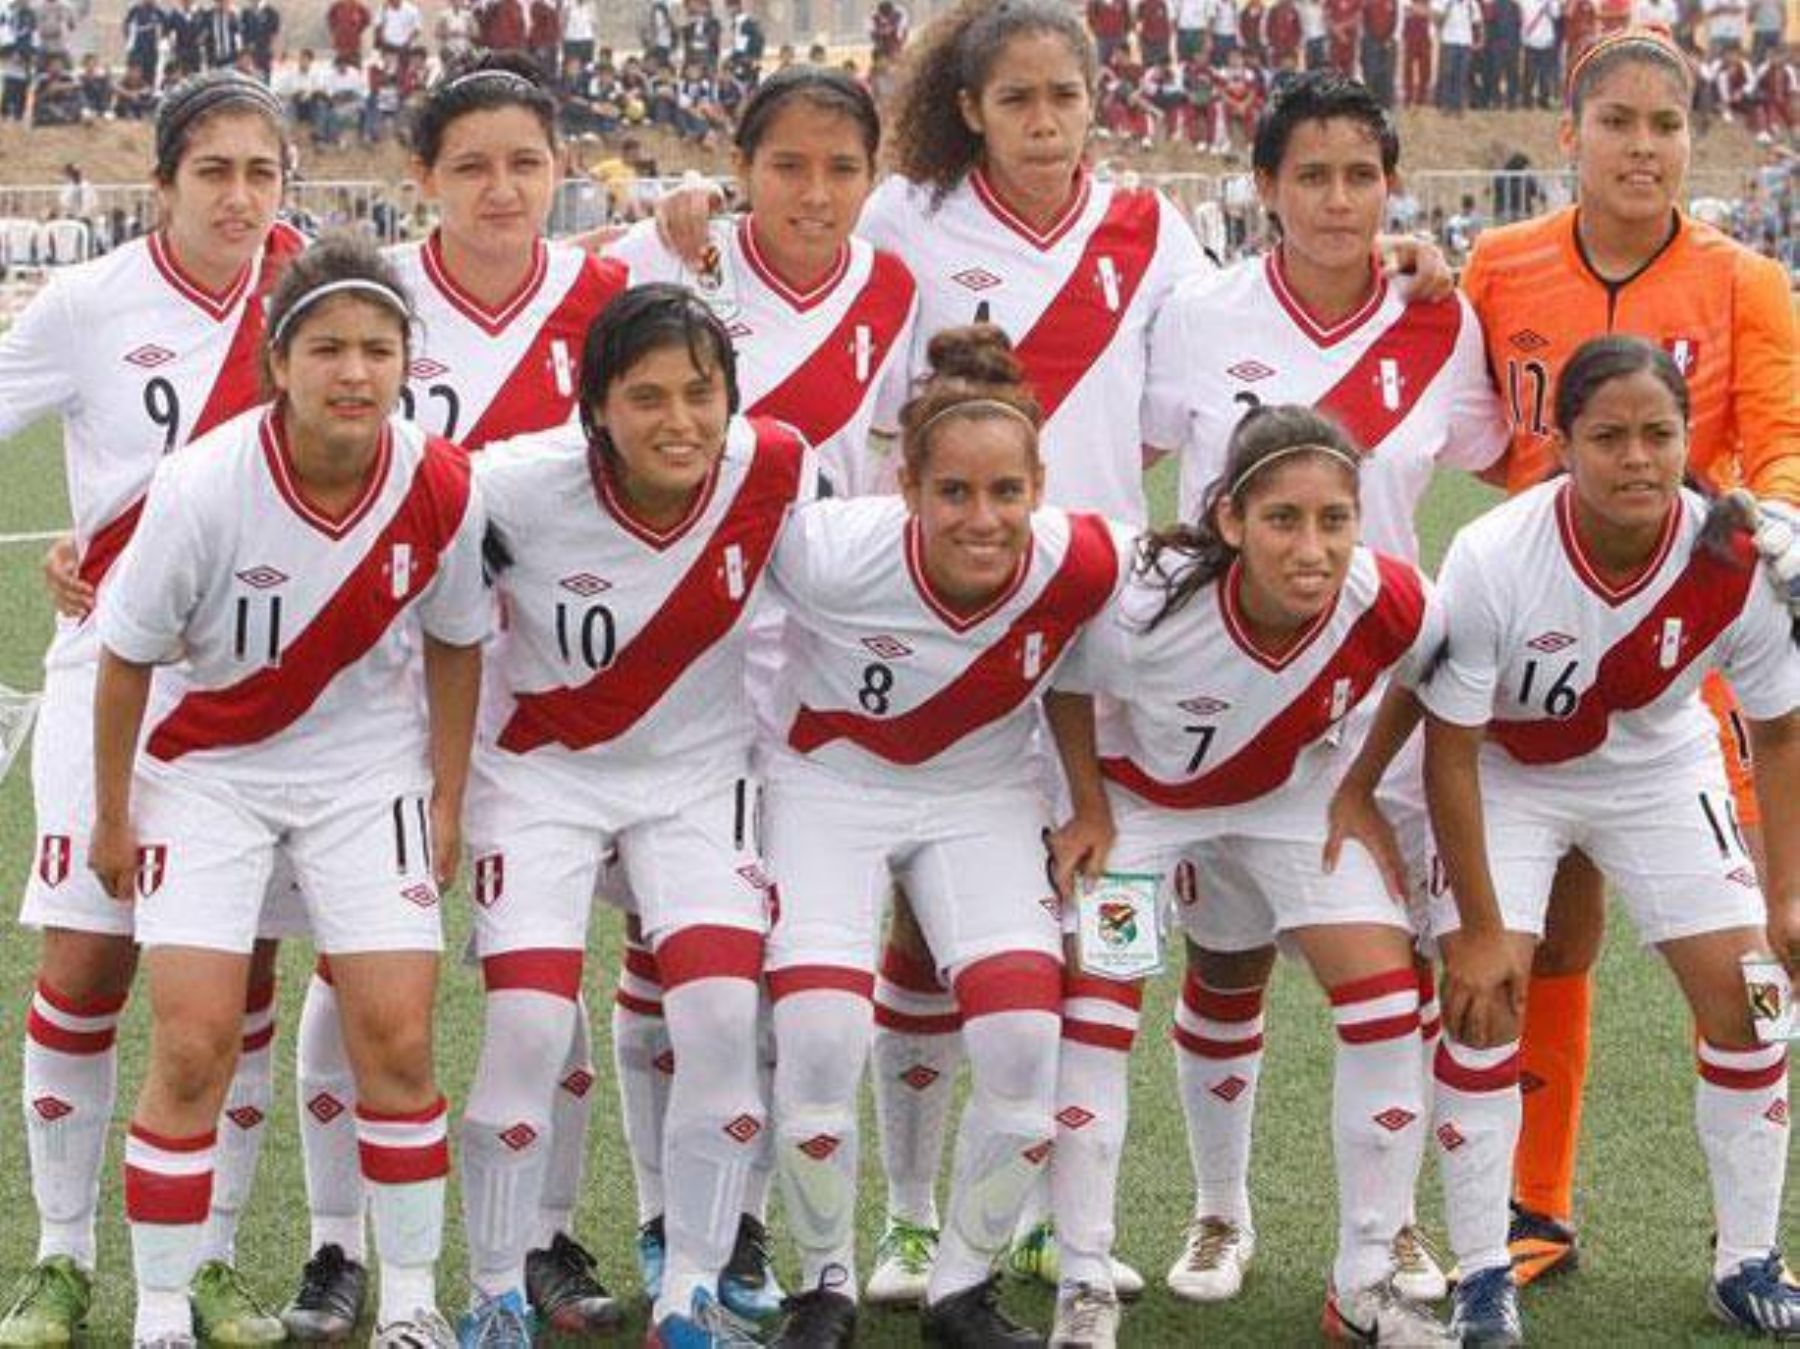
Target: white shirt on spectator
x,y
1456,22
1724,20
398,25
1191,14
1539,22
578,21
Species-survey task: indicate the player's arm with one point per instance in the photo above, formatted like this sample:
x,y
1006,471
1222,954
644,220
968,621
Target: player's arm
x,y
452,691
1765,378
121,691
1080,844
1775,749
1353,813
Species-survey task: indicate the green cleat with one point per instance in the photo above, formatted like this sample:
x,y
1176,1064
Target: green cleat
x,y
50,1306
227,1312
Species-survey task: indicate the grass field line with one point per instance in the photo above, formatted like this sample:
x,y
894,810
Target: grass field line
x,y
32,536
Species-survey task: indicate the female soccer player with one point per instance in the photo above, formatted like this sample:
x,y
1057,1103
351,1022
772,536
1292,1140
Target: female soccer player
x,y
139,352
1314,321
921,631
1582,617
1240,661
298,577
503,314
632,547
1626,259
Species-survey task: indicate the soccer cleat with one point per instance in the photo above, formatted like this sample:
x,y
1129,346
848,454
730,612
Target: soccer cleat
x,y
1379,1315
330,1300
1486,1310
820,1318
651,1248
1417,1274
424,1329
706,1325
747,1285
1539,1246
563,1293
50,1305
496,1323
1759,1298
226,1311
972,1319
1086,1318
903,1259
1033,1256
1212,1262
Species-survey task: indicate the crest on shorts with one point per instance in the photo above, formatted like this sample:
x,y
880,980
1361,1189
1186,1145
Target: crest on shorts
x,y
490,879
54,853
153,865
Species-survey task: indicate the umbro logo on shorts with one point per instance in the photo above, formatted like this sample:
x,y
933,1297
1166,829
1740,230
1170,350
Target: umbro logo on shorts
x,y
423,895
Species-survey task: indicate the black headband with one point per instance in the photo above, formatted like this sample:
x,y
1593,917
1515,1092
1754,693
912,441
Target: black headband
x,y
201,95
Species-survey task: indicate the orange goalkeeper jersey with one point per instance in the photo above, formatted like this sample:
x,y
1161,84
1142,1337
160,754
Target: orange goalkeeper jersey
x,y
1720,310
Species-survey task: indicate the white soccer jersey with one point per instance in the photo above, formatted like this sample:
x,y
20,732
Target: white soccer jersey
x,y
1203,720
828,362
1079,300
624,645
479,374
1408,382
137,359
1597,679
885,684
287,638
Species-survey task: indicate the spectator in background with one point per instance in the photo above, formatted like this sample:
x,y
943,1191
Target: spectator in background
x,y
1281,32
1343,24
578,30
1768,22
702,35
748,42
398,33
1541,87
1779,86
503,25
56,101
1415,52
1734,88
1456,20
1240,103
346,90
1251,18
1725,25
1516,192
181,25
18,53
1110,23
888,29
1380,29
261,25
96,88
1461,230
1502,27
55,28
134,97
1155,32
454,32
1661,13
221,37
658,32
347,21
143,29
1315,39
1581,25
300,86
543,35
1190,29
76,198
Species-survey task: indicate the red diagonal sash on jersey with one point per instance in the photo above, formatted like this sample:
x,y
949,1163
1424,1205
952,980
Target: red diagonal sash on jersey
x,y
1077,326
995,682
698,613
237,389
528,399
351,622
822,393
1380,636
1635,672
1369,402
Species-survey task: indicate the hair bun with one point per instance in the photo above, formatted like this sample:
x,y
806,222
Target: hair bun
x,y
980,353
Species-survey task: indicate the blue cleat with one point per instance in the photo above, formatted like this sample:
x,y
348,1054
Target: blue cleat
x,y
651,1248
496,1323
707,1325
748,1286
1758,1298
1486,1310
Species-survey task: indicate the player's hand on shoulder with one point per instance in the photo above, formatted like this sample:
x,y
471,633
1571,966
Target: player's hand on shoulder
x,y
1776,529
682,216
71,596
1417,266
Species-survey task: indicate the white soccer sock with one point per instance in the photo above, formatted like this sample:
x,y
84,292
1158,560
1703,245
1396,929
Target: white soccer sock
x,y
1378,1121
918,1047
1476,1114
242,1123
762,1159
822,1036
645,1065
1099,1026
505,1130
327,1098
69,1084
168,1189
571,1110
1741,1112
1218,1061
405,1161
716,1117
1010,1006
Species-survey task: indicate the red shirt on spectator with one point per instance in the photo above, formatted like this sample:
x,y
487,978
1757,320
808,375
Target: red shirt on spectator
x,y
545,27
1342,19
1579,22
1153,21
1250,27
1282,30
346,20
503,26
1380,19
1109,18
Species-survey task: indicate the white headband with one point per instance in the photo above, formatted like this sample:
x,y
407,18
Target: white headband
x,y
386,294
974,407
505,76
1330,451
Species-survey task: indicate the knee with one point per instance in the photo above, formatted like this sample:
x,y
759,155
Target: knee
x,y
1013,1056
192,1060
395,1061
1232,971
87,967
821,1042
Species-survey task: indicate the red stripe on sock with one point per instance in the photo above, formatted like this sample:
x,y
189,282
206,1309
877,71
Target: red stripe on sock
x,y
259,1039
40,1030
69,1006
544,970
1115,991
1221,1004
404,1166
640,962
1375,986
1743,1079
1013,981
638,1006
709,951
1383,1028
169,1143
429,1115
1503,1076
905,1023
1202,1047
322,968
1430,1030
1099,1034
794,979
259,997
905,970
167,1200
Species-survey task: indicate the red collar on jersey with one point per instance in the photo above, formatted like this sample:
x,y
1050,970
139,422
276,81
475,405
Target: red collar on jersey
x,y
802,300
1239,629
614,504
1613,594
1321,333
1079,191
953,618
493,321
279,458
216,304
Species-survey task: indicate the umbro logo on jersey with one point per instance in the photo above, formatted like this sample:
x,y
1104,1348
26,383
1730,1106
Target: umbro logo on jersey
x,y
1550,642
262,578
976,278
739,330
426,368
584,584
423,895
1249,372
1529,339
887,648
1203,706
149,357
